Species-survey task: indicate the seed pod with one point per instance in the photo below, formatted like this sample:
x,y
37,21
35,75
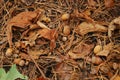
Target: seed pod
x,y
9,52
26,63
65,16
64,38
97,49
46,19
21,63
66,30
115,66
96,60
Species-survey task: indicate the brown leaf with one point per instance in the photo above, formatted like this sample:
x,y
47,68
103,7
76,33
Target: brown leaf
x,y
50,35
63,71
25,56
80,51
41,78
85,28
22,20
91,2
117,77
109,3
112,26
36,52
106,50
82,15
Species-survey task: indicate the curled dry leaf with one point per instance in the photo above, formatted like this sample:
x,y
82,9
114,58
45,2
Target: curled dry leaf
x,y
106,50
22,20
80,51
112,26
109,3
85,28
50,35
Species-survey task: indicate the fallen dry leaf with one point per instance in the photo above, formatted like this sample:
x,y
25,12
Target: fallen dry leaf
x,y
84,15
50,35
117,77
41,78
91,2
85,28
80,51
63,71
21,20
112,26
109,3
36,52
106,50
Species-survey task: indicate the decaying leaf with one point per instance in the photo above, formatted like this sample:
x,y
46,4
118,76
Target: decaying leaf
x,y
80,51
112,26
36,52
63,71
91,2
85,28
22,20
109,3
41,78
84,15
50,35
106,50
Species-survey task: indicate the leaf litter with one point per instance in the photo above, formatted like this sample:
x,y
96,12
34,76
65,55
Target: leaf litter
x,y
62,40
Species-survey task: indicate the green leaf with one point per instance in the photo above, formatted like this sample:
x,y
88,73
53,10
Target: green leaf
x,y
2,73
12,74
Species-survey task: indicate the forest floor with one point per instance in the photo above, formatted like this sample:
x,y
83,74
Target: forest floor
x,y
61,39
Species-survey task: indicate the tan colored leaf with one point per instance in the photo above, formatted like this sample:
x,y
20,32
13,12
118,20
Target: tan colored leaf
x,y
85,28
109,3
21,20
117,78
36,52
106,50
63,71
112,26
91,2
50,35
80,51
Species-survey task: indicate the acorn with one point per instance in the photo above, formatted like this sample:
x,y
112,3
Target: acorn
x,y
96,60
9,52
66,30
65,16
97,49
